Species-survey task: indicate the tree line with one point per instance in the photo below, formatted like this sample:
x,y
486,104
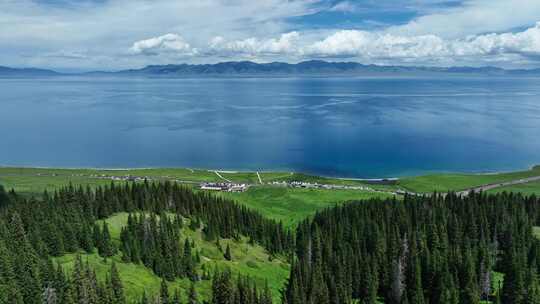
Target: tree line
x,y
155,242
32,231
430,249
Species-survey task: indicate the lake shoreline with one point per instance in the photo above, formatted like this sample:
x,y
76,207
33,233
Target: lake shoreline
x,y
359,179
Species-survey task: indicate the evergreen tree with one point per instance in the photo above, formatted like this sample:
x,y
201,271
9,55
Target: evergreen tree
x,y
116,286
193,297
164,293
106,247
227,254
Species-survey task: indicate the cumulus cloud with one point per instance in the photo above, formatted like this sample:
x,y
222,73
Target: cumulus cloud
x,y
285,44
362,44
98,34
353,43
356,44
30,29
171,43
365,45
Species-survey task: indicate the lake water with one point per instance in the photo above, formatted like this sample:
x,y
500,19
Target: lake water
x,y
359,127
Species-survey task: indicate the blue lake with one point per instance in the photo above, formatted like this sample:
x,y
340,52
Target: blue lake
x,y
356,127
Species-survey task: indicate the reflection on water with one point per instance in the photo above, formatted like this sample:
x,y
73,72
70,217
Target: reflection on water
x,y
344,127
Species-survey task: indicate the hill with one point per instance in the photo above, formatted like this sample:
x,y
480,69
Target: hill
x,y
118,243
311,67
275,69
26,72
248,259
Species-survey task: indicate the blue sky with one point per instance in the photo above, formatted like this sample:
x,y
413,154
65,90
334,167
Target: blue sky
x,y
118,34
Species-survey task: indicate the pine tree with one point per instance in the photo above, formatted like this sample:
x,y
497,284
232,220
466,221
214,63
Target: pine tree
x,y
222,290
164,293
25,263
4,198
193,298
176,298
227,254
106,248
417,292
116,286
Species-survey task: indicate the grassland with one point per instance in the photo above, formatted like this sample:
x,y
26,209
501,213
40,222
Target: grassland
x,y
38,179
527,189
456,182
248,259
291,205
35,185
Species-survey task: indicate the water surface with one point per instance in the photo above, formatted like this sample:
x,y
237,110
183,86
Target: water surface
x,y
356,127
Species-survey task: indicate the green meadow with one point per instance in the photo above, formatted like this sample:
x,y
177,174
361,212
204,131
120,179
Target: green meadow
x,y
456,182
285,204
291,205
251,260
527,189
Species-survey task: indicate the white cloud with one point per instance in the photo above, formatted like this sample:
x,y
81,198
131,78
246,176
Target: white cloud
x,y
107,29
167,43
474,17
285,44
384,47
367,45
524,43
97,35
353,43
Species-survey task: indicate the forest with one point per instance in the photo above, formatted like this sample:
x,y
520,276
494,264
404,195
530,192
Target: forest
x,y
422,249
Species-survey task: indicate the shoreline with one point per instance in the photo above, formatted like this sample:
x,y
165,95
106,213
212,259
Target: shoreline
x,y
359,179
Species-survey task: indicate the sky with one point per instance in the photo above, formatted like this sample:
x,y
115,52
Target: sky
x,y
79,35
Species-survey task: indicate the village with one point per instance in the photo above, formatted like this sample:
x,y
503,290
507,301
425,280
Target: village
x,y
230,186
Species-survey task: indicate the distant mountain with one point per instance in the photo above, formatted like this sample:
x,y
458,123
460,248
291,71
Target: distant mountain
x,y
26,72
313,67
248,68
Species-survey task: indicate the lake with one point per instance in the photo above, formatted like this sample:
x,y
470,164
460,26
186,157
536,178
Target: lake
x,y
350,127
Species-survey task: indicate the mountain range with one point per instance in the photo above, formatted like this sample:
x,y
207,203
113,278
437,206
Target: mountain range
x,y
13,72
248,68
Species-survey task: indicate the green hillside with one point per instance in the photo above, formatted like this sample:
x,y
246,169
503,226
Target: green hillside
x,y
456,182
248,259
527,189
291,205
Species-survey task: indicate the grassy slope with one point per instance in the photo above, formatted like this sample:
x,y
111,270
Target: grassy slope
x,y
289,205
13,177
447,182
527,189
247,259
292,205
35,185
35,180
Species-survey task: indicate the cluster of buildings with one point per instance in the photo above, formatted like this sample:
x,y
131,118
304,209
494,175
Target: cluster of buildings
x,y
225,187
296,184
121,178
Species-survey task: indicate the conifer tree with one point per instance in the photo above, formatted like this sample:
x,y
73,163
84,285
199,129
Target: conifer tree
x,y
116,286
106,247
227,254
193,297
164,292
25,262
